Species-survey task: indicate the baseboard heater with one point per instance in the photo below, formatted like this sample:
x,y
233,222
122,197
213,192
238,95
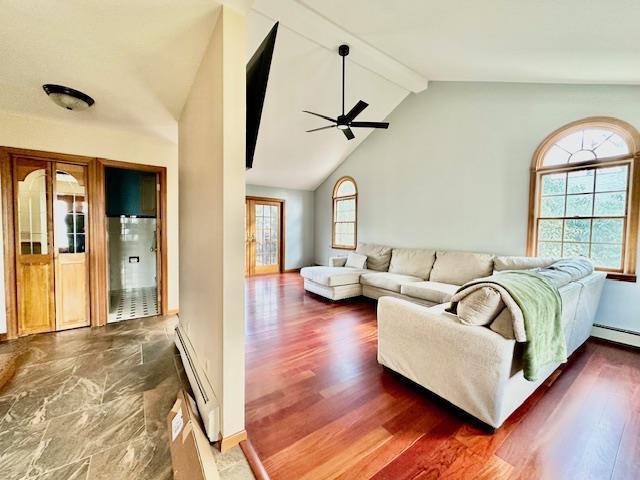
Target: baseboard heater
x,y
208,406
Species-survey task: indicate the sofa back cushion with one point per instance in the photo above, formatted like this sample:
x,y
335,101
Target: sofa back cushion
x,y
355,260
416,262
458,268
378,256
502,263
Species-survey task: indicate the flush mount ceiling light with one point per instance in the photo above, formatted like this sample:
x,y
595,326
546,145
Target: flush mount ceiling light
x,y
68,97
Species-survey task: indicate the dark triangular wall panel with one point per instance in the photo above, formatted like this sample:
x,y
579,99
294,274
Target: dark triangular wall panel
x,y
257,79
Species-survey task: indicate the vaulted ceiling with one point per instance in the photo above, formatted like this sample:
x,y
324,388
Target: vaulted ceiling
x,y
398,46
138,60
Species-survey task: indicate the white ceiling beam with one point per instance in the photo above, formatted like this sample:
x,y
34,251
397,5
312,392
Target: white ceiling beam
x,y
308,23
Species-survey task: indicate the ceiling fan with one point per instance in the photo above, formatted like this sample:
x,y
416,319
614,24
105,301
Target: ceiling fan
x,y
345,122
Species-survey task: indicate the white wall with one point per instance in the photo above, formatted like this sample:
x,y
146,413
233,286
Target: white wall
x,y
452,171
299,223
93,141
131,237
212,191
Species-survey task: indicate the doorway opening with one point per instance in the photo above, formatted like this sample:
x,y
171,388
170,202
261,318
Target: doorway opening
x,y
132,206
264,241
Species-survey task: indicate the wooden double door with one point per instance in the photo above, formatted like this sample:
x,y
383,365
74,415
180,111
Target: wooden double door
x,y
264,247
51,225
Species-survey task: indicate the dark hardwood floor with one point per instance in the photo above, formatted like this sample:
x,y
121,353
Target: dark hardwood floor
x,y
319,405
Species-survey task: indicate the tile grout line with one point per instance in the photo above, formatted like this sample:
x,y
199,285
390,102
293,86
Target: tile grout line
x,y
65,465
37,450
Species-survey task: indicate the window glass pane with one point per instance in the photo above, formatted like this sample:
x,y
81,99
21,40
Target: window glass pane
x,y
80,243
555,156
552,207
612,178
582,156
580,181
608,230
70,245
577,230
550,230
579,205
554,184
572,142
613,146
345,210
607,256
345,234
32,213
594,137
610,204
550,249
575,250
346,188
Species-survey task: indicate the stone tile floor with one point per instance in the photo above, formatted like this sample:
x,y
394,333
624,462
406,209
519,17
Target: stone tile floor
x,y
91,404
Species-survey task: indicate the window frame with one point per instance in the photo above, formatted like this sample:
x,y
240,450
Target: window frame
x,y
632,159
335,198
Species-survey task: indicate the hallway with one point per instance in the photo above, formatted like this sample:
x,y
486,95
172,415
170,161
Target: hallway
x,y
92,404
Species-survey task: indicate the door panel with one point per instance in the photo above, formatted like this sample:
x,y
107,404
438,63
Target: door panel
x,y
264,227
35,296
71,291
34,272
71,261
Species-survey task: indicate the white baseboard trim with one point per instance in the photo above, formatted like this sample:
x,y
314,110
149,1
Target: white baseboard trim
x,y
618,336
208,406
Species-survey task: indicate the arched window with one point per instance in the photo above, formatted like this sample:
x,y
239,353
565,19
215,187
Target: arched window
x,y
585,194
345,214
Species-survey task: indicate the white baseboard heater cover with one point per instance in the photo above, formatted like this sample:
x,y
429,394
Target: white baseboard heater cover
x,y
208,406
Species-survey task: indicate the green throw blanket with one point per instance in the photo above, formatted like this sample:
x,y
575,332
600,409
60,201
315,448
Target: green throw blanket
x,y
541,307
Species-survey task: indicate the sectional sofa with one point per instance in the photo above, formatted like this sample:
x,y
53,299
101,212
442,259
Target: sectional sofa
x,y
478,368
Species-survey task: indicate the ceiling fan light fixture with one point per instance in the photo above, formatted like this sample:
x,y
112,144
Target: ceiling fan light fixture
x,y
68,98
345,121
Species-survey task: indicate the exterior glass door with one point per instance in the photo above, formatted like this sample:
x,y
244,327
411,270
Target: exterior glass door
x,y
264,225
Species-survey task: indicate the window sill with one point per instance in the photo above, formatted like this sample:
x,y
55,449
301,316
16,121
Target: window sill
x,y
336,247
622,277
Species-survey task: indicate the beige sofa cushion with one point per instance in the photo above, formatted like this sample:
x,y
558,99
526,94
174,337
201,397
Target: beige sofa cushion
x,y
416,262
480,307
503,324
431,291
387,281
458,268
332,276
355,260
378,256
502,263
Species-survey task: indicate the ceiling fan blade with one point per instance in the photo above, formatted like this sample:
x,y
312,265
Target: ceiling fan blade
x,y
348,133
369,124
356,110
320,115
321,128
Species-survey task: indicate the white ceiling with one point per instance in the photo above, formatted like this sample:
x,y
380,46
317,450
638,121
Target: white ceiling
x,y
568,41
307,76
136,58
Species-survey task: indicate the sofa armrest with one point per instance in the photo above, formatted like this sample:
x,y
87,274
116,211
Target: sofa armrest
x,y
467,365
337,261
